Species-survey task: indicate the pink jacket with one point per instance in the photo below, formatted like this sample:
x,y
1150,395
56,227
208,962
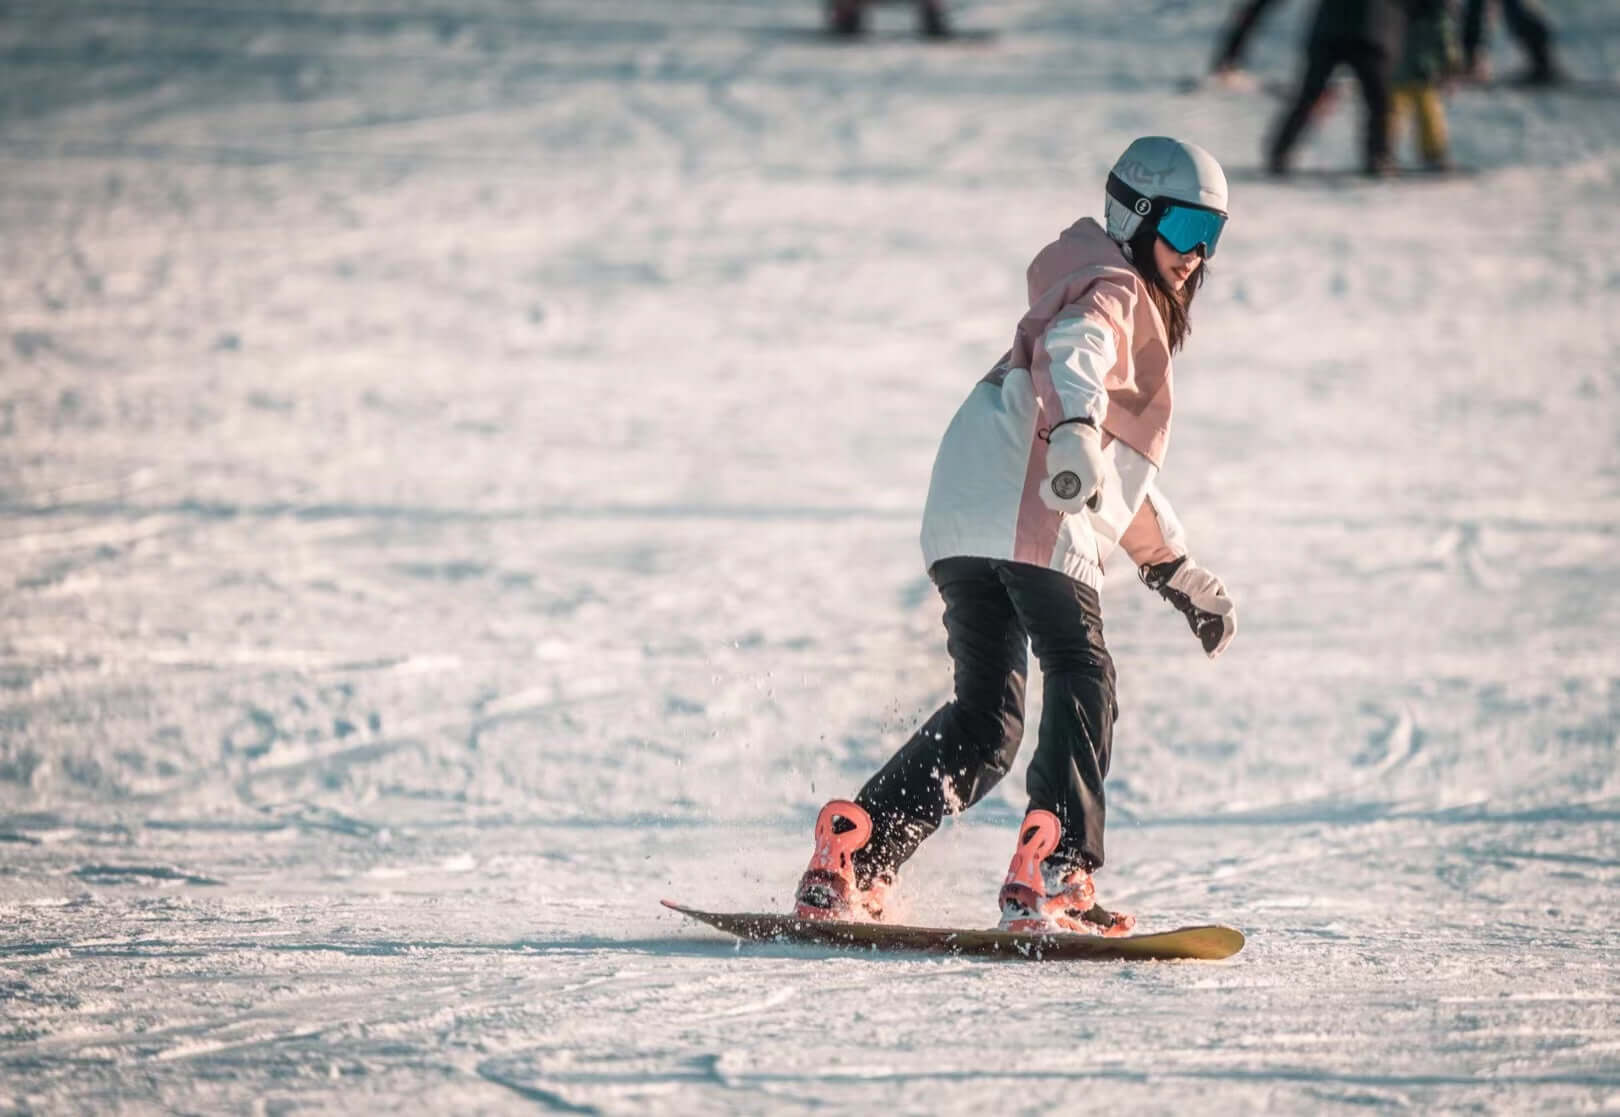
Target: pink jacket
x,y
1084,271
1091,344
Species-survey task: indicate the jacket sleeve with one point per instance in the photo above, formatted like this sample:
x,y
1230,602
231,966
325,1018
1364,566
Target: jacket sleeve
x,y
1155,535
1080,346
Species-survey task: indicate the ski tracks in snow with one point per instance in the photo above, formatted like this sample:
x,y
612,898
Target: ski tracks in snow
x,y
460,474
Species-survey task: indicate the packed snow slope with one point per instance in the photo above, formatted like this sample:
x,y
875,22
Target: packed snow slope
x,y
460,469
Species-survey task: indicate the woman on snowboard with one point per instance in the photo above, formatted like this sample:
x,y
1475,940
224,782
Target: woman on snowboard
x,y
1049,465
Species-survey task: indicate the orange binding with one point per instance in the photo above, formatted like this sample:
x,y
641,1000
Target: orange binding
x,y
1038,897
828,889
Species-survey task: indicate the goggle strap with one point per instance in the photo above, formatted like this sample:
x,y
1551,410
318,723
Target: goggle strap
x,y
1154,210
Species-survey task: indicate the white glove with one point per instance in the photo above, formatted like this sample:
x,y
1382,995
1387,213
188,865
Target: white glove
x,y
1074,468
1201,598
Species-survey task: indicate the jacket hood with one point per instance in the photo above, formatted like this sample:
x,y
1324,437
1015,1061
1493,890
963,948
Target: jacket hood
x,y
1085,244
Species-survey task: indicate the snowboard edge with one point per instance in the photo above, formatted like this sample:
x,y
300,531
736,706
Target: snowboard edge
x,y
1209,942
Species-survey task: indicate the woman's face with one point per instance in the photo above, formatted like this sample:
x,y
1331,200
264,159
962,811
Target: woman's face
x,y
1176,267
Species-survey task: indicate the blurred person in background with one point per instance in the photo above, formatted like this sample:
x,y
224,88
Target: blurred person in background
x,y
1227,69
848,17
1368,37
1429,59
1047,470
1527,23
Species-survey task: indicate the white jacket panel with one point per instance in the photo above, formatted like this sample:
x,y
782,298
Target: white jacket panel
x,y
978,478
990,461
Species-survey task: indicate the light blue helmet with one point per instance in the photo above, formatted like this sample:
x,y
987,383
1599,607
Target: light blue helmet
x,y
1156,168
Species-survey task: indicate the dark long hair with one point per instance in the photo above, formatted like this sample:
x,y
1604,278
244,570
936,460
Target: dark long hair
x,y
1175,307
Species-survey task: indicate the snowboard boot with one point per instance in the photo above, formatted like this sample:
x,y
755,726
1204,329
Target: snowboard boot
x,y
1233,78
1050,896
828,889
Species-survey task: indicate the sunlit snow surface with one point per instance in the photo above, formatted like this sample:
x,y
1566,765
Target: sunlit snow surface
x,y
460,469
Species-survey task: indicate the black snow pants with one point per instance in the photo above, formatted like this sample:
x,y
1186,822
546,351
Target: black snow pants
x,y
994,611
1371,65
1240,27
1528,24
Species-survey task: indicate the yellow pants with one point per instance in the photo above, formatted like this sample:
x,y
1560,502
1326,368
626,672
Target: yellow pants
x,y
1424,99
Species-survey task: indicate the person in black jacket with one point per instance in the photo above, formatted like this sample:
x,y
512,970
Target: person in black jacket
x,y
1367,36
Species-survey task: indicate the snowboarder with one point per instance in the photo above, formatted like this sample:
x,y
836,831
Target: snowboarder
x,y
1047,468
1367,36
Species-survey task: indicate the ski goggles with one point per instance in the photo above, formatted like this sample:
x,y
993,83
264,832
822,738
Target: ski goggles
x,y
1186,228
1183,226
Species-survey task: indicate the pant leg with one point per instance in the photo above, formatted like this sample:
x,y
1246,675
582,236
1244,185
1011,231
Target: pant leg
x,y
1473,32
1372,66
846,17
1434,140
1064,621
931,18
1402,103
1244,20
1528,23
1320,60
967,746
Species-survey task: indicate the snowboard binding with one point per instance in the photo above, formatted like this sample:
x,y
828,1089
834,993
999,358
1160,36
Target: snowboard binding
x,y
828,889
1037,896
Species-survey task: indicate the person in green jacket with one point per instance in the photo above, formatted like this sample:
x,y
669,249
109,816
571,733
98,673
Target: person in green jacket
x,y
1429,59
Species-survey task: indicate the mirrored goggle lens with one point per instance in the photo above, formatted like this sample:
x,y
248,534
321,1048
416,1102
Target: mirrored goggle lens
x,y
1184,228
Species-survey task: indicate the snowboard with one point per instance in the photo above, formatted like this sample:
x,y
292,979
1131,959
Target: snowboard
x,y
957,36
848,19
1348,177
1286,88
1565,87
1207,943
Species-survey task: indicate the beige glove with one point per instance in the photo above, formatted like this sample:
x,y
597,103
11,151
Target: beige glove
x,y
1074,468
1200,596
